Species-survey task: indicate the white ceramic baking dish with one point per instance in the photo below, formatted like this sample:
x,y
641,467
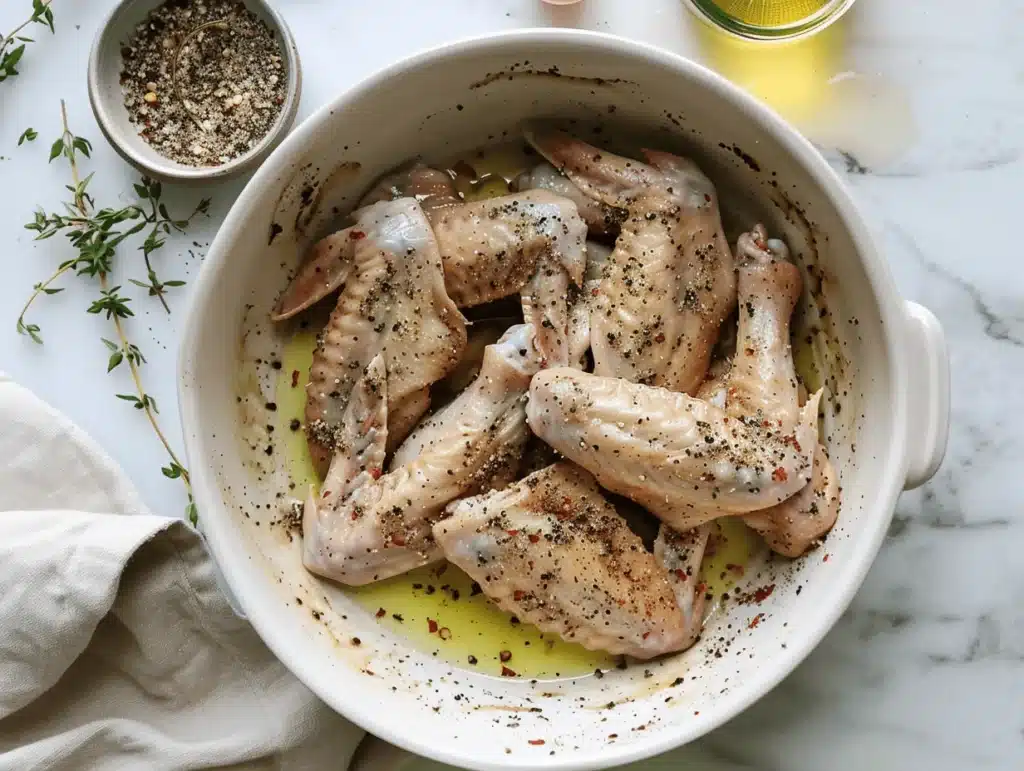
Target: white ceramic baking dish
x,y
885,362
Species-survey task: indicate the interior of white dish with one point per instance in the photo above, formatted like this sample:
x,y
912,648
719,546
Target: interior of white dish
x,y
446,104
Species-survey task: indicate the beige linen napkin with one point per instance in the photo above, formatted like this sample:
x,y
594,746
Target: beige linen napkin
x,y
117,650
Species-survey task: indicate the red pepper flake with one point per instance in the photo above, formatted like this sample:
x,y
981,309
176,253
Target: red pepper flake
x,y
534,538
825,558
295,378
755,621
505,656
398,540
444,633
381,612
512,532
375,473
431,625
680,574
536,742
506,672
660,337
696,712
518,595
707,198
780,475
646,635
355,235
763,593
595,292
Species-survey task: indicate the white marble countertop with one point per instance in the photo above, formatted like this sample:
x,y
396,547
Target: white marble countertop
x,y
926,670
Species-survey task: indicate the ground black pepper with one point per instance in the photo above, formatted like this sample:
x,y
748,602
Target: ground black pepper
x,y
224,94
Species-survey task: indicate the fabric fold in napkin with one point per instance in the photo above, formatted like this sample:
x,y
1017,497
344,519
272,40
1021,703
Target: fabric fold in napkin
x,y
117,648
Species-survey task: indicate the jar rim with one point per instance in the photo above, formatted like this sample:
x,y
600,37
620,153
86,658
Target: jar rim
x,y
829,12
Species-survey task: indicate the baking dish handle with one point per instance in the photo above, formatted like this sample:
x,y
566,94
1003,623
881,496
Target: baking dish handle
x,y
928,420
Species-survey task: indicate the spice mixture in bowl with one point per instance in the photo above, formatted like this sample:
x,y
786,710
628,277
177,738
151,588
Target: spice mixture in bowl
x,y
194,89
203,82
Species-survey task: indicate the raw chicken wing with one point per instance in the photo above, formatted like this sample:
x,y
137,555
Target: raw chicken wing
x,y
393,302
763,384
669,283
554,552
681,554
532,242
601,219
683,459
366,525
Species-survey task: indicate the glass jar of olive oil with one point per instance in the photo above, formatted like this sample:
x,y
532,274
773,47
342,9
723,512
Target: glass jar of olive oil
x,y
770,19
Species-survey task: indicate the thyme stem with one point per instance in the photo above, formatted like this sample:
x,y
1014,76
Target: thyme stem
x,y
96,235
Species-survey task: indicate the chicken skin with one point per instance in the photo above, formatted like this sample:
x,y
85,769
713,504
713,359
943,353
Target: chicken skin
x,y
683,459
394,303
532,242
602,220
431,187
763,384
581,303
669,284
367,525
681,554
554,552
795,525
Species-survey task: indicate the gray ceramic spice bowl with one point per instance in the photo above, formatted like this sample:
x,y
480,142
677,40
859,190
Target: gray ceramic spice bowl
x,y
107,100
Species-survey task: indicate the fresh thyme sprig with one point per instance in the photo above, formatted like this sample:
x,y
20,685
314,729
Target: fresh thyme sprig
x,y
96,235
10,51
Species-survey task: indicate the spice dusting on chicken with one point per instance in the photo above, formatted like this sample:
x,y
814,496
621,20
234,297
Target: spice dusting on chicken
x,y
617,397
